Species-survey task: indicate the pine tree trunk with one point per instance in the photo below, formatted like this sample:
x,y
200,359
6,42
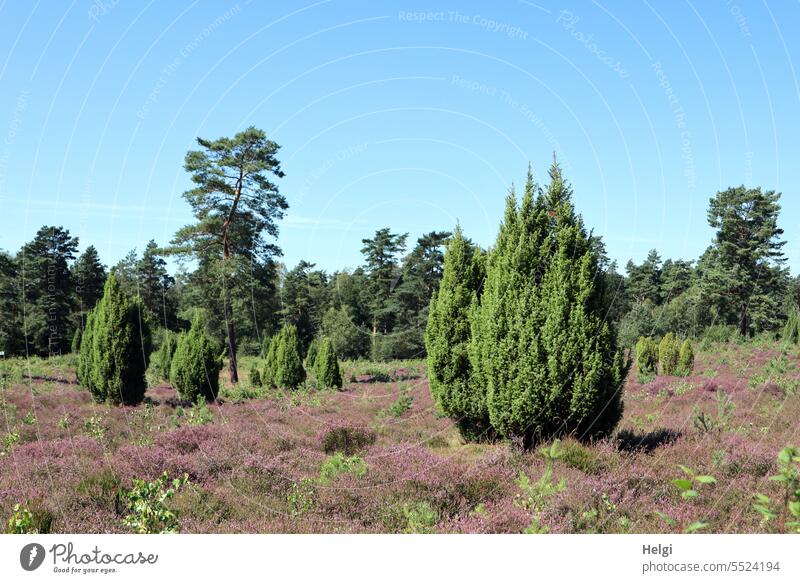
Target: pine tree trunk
x,y
743,321
231,332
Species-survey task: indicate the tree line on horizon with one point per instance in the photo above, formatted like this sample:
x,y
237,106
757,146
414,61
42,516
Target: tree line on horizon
x,y
379,310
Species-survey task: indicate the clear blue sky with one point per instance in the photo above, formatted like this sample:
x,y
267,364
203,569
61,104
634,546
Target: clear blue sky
x,y
411,115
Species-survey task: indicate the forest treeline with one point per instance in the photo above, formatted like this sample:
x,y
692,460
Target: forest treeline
x,y
232,276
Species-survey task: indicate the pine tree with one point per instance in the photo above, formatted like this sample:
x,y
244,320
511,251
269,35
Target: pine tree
x,y
448,336
289,372
326,366
548,359
195,367
115,348
89,277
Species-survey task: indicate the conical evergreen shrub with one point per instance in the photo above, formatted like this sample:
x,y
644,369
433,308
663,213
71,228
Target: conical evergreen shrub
x,y
453,384
668,354
326,364
647,356
289,372
166,351
195,367
310,362
791,332
547,356
270,363
75,347
115,348
686,359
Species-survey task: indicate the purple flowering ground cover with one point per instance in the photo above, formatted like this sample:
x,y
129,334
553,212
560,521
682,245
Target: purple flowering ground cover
x,y
260,461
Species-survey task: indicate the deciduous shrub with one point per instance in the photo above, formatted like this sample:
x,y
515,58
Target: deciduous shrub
x,y
327,371
196,364
289,371
115,348
647,356
686,359
548,358
668,354
454,386
146,504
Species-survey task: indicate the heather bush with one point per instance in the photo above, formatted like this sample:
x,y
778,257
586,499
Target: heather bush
x,y
647,356
115,348
326,366
195,367
346,439
669,354
686,359
548,357
147,508
289,371
456,390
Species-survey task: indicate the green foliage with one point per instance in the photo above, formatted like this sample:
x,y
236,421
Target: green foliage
x,y
289,371
784,513
115,348
456,390
720,333
24,520
401,405
199,414
350,341
547,356
147,508
689,485
255,376
166,352
420,518
195,367
647,356
638,322
338,464
270,363
686,359
791,332
708,423
536,496
301,497
326,368
76,340
669,350
310,361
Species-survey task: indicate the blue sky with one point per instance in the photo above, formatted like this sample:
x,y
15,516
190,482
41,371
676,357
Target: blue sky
x,y
412,115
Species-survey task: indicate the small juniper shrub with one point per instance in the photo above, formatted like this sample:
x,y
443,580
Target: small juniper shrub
x,y
166,352
686,359
791,332
400,406
669,354
646,358
310,362
196,364
255,376
709,423
289,371
270,363
326,366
